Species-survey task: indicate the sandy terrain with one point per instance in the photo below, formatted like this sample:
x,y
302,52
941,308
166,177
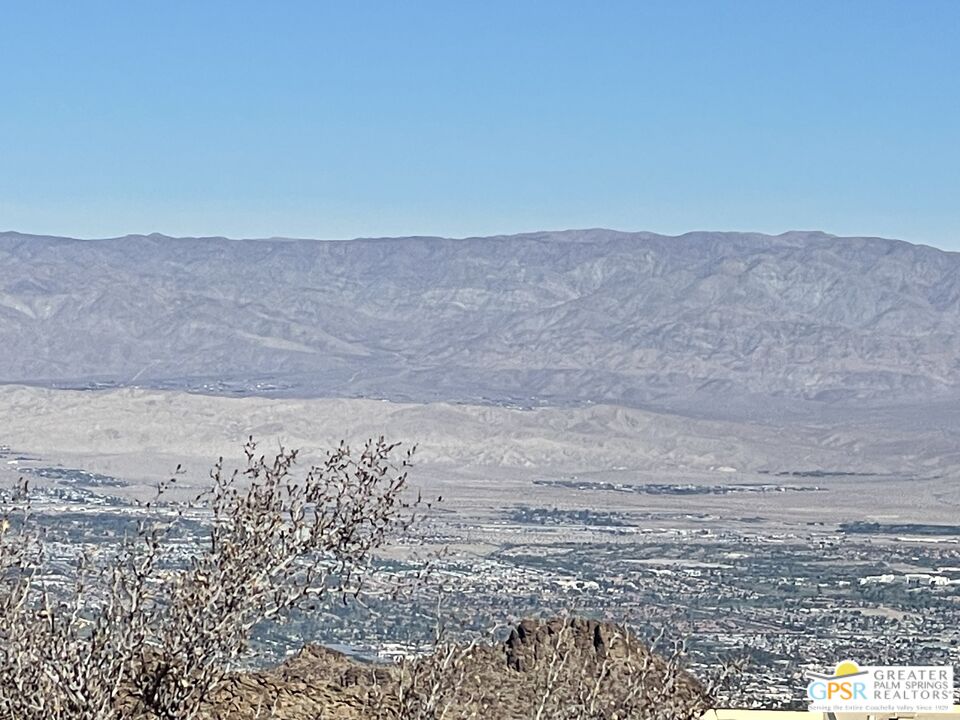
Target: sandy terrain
x,y
484,458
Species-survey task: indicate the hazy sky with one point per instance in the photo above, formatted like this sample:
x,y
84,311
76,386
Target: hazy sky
x,y
342,119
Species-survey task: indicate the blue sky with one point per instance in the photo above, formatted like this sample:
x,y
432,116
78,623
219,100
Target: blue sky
x,y
324,119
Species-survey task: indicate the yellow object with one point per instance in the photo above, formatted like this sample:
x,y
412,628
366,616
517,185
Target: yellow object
x,y
847,667
735,714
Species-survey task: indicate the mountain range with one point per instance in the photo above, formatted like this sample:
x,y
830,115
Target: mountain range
x,y
550,318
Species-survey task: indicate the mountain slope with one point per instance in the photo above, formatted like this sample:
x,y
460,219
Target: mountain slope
x,y
576,316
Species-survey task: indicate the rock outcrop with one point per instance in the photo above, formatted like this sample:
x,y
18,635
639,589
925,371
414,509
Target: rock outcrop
x,y
567,669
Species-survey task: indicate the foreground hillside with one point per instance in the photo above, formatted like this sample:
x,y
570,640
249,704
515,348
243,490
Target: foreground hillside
x,y
548,317
561,669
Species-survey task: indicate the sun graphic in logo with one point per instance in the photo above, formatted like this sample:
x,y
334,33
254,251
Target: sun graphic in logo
x,y
845,669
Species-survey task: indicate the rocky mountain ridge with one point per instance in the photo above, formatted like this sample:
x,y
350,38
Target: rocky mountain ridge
x,y
575,668
541,318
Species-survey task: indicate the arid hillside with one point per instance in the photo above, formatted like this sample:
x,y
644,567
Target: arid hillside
x,y
552,317
558,669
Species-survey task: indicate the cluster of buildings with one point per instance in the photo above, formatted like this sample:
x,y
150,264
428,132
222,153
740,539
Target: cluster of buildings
x,y
791,599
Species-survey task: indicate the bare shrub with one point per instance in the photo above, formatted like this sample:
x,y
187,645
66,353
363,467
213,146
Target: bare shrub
x,y
444,684
135,635
138,633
